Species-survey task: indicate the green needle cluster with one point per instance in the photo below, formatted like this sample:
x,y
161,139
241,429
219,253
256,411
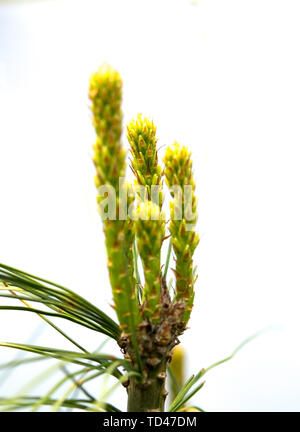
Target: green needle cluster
x,y
149,224
183,209
105,93
150,232
144,164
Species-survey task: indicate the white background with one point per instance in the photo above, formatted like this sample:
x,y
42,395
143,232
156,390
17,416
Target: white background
x,y
222,77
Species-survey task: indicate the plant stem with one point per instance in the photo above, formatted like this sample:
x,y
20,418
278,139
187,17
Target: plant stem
x,y
148,395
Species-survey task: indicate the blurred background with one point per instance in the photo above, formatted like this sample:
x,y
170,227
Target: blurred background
x,y
220,76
